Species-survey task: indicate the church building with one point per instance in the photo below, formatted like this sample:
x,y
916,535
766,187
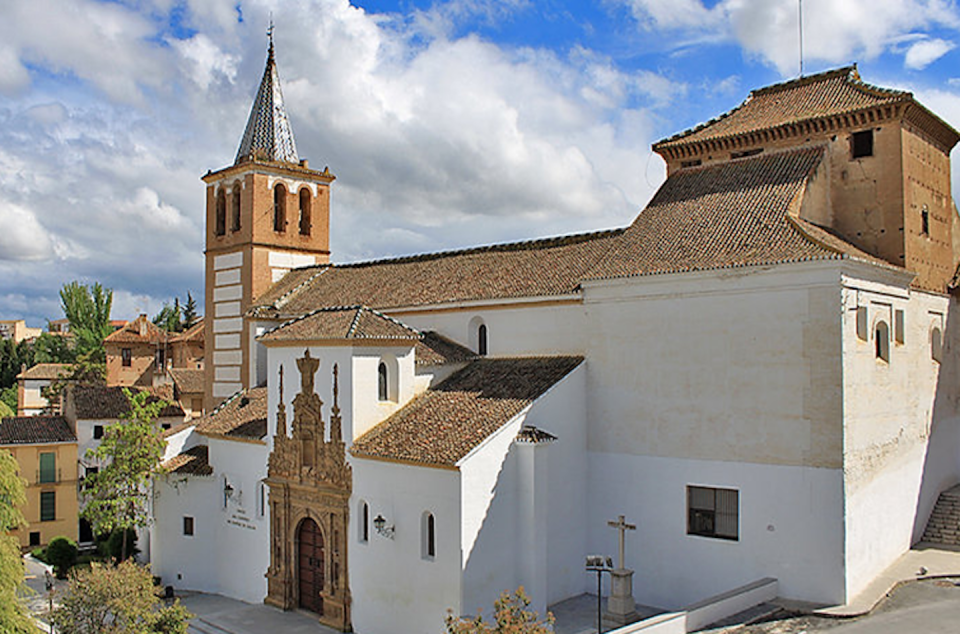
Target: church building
x,y
759,373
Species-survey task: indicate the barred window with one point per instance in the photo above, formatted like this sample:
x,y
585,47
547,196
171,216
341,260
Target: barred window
x,y
48,467
713,512
48,506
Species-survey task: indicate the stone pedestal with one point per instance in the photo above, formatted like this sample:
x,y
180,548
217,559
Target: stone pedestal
x,y
621,608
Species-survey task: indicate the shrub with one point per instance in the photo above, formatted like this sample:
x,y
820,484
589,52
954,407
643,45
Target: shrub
x,y
61,554
115,544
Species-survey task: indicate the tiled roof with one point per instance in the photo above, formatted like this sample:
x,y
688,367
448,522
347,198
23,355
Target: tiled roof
x,y
268,135
187,380
193,461
192,334
243,416
445,423
45,371
340,323
98,402
140,330
825,94
435,349
35,430
535,268
732,214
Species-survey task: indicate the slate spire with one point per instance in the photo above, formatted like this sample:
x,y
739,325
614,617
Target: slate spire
x,y
268,135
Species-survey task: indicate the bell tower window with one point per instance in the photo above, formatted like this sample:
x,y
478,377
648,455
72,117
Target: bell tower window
x,y
304,212
861,144
925,221
221,221
279,208
236,207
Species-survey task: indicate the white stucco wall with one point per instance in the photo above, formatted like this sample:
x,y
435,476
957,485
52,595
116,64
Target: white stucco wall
x,y
394,588
229,551
901,425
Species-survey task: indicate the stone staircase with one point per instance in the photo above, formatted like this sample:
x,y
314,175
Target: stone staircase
x,y
943,527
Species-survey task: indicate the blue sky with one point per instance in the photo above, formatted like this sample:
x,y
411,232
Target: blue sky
x,y
447,124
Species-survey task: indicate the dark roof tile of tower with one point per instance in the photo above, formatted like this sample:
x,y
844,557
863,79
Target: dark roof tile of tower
x,y
268,135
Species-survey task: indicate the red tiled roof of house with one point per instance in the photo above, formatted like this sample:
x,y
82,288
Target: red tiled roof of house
x,y
194,333
35,430
187,380
434,349
140,330
341,323
193,461
446,422
101,402
826,94
45,371
725,215
242,416
536,268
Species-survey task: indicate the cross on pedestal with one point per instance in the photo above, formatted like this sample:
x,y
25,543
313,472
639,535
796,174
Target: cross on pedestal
x,y
623,527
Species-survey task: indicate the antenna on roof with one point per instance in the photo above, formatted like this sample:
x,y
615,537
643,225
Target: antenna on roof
x,y
800,21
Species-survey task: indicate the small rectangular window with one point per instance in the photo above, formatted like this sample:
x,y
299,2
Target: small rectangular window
x,y
48,506
898,326
97,432
188,526
746,153
861,144
713,512
48,468
126,357
862,323
35,538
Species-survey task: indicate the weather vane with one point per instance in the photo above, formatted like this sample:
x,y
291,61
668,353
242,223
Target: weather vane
x,y
270,30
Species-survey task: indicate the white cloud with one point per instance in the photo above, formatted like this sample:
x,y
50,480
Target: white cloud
x,y
205,60
925,52
22,237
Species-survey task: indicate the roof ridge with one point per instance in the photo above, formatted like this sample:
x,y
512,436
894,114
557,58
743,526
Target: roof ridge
x,y
805,80
353,323
280,301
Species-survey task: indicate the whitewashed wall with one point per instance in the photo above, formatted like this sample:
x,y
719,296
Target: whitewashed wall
x,y
224,526
394,588
901,426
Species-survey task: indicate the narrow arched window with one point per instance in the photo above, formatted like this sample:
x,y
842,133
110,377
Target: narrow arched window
x,y
304,212
364,522
221,211
279,208
383,392
236,208
925,221
482,340
936,345
882,341
428,536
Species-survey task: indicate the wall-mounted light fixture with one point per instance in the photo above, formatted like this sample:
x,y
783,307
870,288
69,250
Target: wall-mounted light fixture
x,y
380,524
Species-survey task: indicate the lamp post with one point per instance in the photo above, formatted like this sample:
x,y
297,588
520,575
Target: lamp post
x,y
599,564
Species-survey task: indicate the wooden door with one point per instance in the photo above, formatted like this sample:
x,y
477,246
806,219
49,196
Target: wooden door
x,y
310,565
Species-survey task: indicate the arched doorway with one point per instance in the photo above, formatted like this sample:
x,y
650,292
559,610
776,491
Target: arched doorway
x,y
310,565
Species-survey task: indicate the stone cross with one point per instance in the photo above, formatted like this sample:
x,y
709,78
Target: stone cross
x,y
623,527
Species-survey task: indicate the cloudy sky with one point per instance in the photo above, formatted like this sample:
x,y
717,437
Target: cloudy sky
x,y
448,124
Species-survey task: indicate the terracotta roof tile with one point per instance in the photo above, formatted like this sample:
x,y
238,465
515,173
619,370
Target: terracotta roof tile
x,y
35,430
193,334
44,371
726,215
536,268
187,380
193,461
341,323
435,349
98,402
825,94
445,423
140,330
243,416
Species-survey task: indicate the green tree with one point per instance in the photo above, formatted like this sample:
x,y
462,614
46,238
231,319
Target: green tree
x,y
50,348
82,372
87,308
511,616
13,616
8,396
116,600
116,497
13,358
190,316
169,317
6,411
61,554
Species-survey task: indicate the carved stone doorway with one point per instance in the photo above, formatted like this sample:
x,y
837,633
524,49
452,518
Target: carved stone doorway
x,y
311,563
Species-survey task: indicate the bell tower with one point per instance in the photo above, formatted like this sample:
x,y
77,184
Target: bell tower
x,y
266,214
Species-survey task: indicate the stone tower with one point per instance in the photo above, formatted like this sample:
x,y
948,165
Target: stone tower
x,y
266,214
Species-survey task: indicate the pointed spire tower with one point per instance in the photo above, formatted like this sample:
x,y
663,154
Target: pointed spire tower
x,y
266,214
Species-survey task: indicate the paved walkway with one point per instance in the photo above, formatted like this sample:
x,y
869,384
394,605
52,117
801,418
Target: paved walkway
x,y
922,562
219,615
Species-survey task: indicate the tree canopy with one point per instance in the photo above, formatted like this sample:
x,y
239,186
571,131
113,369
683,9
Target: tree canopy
x,y
116,497
87,308
13,615
510,616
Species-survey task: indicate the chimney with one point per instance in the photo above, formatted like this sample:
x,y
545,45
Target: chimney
x,y
143,325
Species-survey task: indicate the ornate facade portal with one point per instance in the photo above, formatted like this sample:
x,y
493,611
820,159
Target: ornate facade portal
x,y
310,484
